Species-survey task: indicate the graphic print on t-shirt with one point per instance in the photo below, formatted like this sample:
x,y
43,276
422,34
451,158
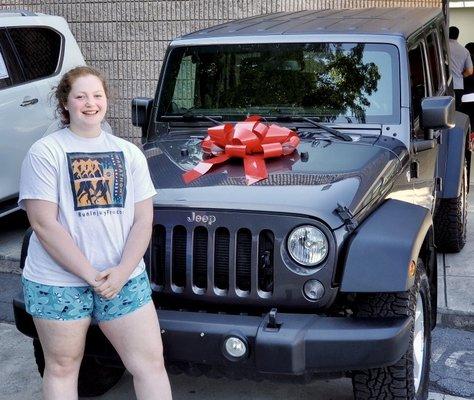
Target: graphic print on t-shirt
x,y
98,180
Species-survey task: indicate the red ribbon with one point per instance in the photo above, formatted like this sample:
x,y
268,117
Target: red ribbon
x,y
251,140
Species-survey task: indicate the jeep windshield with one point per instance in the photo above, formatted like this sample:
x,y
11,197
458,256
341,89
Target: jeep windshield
x,y
333,82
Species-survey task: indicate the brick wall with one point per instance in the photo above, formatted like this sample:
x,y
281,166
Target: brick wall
x,y
127,39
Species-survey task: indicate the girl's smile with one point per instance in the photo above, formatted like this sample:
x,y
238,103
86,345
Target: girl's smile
x,y
87,105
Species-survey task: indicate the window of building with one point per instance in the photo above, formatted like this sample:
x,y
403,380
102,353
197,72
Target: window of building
x,y
39,50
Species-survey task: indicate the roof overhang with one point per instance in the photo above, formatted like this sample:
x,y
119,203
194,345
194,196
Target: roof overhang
x,y
461,4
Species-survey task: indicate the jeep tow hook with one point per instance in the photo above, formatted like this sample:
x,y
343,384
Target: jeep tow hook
x,y
273,325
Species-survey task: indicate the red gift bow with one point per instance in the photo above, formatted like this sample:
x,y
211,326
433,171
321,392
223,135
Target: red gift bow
x,y
251,140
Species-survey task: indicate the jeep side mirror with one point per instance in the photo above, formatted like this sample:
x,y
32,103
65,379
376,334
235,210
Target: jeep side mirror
x,y
141,110
437,112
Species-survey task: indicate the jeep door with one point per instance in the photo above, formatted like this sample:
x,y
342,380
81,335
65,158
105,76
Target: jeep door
x,y
28,54
426,79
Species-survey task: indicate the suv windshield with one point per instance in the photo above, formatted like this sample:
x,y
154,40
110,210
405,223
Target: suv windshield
x,y
347,82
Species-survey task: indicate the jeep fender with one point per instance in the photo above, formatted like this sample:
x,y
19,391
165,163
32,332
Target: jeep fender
x,y
451,157
382,247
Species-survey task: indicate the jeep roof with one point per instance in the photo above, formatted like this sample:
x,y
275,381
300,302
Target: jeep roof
x,y
374,21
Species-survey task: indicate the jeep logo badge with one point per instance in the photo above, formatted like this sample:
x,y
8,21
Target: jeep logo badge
x,y
205,219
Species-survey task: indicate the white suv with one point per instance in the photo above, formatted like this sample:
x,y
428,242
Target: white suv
x,y
35,50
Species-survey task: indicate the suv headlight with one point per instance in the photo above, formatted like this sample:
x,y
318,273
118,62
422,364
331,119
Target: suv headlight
x,y
307,245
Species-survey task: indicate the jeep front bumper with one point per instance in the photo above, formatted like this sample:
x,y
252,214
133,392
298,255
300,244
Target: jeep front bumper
x,y
302,342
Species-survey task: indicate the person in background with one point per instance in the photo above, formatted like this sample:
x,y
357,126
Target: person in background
x,y
468,106
469,80
460,62
88,196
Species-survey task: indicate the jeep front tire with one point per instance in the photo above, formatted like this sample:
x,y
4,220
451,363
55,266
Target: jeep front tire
x,y
408,378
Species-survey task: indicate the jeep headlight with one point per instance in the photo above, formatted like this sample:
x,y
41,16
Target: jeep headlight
x,y
307,245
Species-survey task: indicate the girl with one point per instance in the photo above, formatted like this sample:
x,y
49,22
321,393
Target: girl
x,y
88,196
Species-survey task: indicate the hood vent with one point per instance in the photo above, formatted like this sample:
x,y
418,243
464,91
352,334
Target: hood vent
x,y
276,179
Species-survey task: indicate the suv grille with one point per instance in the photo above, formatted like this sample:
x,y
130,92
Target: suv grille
x,y
217,260
231,256
224,264
221,258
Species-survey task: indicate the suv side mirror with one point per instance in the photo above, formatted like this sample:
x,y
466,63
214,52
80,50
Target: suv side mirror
x,y
437,112
141,110
141,107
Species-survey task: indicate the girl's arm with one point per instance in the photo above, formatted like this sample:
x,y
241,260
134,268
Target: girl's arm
x,y
135,247
57,241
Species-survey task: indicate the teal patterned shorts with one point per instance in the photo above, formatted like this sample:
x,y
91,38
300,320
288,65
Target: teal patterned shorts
x,y
67,303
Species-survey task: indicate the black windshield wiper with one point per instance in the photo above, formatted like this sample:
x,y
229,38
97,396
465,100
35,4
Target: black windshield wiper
x,y
317,124
213,119
333,131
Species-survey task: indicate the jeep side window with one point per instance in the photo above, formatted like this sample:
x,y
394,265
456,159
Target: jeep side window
x,y
10,71
418,80
39,50
434,65
444,51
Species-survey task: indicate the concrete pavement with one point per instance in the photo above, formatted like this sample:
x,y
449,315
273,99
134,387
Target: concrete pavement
x,y
12,229
456,280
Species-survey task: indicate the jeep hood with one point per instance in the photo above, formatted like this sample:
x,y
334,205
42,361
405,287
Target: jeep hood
x,y
312,181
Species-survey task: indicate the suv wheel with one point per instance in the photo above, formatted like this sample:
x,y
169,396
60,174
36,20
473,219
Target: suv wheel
x,y
451,220
408,378
94,379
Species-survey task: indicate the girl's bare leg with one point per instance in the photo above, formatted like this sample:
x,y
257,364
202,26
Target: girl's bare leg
x,y
137,339
63,347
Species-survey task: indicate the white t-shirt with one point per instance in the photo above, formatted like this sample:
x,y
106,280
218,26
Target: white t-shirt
x,y
95,182
460,60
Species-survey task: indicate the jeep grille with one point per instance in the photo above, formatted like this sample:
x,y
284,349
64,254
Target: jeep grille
x,y
217,257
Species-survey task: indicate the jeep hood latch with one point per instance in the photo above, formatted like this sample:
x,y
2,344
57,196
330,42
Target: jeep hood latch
x,y
346,216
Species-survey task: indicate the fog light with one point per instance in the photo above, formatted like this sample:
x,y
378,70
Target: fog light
x,y
235,347
313,289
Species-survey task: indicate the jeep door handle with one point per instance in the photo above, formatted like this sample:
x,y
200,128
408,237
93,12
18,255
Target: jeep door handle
x,y
29,102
